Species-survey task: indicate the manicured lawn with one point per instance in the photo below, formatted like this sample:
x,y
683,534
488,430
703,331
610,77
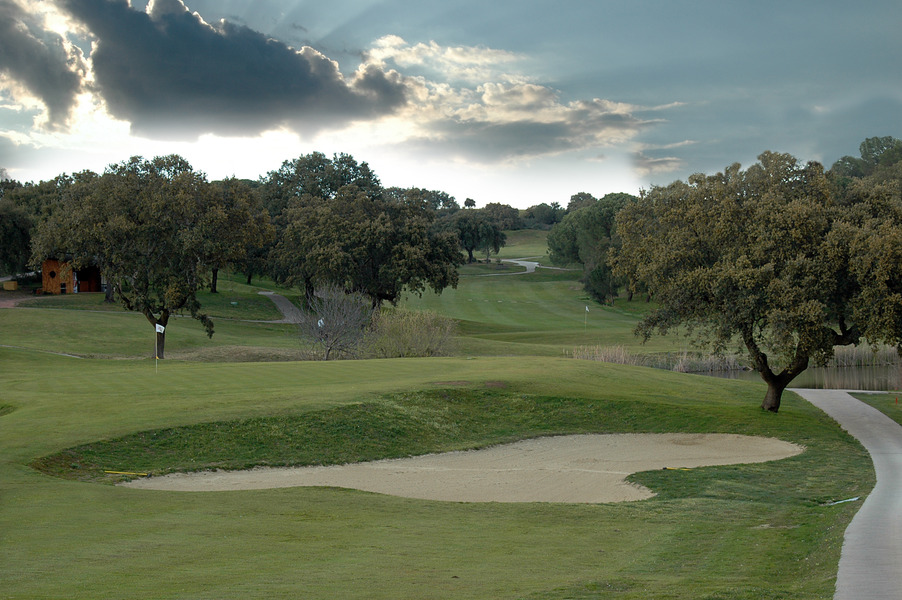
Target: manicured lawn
x,y
887,403
761,531
753,531
525,243
541,313
234,300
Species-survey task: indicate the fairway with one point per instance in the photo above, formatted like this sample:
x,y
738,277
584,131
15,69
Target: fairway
x,y
70,426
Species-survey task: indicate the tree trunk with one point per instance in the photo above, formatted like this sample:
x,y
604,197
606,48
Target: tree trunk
x,y
249,275
309,292
160,344
774,395
776,382
213,282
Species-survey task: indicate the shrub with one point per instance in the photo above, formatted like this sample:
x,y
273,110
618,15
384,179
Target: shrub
x,y
398,333
336,322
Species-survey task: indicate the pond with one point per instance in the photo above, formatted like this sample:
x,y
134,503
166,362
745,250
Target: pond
x,y
885,378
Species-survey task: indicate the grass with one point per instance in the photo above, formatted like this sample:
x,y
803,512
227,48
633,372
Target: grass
x,y
525,243
234,300
741,531
887,403
542,313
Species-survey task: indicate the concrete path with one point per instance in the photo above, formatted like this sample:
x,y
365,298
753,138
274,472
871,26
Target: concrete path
x,y
871,560
527,263
290,312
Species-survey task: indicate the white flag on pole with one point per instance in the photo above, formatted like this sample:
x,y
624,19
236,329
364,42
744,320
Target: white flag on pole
x,y
160,328
587,309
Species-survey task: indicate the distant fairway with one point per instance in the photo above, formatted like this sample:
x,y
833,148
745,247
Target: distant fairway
x,y
541,313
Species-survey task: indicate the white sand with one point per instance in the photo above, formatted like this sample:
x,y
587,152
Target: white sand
x,y
576,468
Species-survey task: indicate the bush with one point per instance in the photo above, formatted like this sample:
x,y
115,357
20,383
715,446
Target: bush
x,y
335,322
397,333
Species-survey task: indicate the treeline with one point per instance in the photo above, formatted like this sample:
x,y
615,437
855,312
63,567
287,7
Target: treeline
x,y
159,231
251,214
587,234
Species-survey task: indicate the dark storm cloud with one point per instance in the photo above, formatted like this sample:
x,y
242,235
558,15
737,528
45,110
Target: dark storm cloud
x,y
500,141
503,132
170,74
39,62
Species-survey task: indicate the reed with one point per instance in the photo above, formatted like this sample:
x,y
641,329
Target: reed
x,y
865,356
611,354
683,362
693,362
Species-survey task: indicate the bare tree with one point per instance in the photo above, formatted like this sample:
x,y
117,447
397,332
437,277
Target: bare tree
x,y
336,321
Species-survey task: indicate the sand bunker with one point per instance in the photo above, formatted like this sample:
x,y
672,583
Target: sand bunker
x,y
575,468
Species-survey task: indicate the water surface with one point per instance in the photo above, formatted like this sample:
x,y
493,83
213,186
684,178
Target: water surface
x,y
887,378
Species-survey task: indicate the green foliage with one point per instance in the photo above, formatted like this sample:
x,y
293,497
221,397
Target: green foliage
x,y
876,153
233,228
475,230
543,216
580,200
586,236
141,224
440,202
367,244
504,216
15,237
318,176
769,258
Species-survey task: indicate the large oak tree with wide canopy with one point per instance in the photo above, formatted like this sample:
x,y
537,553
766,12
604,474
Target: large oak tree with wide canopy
x,y
771,259
141,223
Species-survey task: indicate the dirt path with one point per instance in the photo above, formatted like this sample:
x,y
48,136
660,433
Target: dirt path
x,y
10,299
578,468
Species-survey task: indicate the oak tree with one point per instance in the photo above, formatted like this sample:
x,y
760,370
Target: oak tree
x,y
364,243
767,258
586,236
233,226
139,223
476,230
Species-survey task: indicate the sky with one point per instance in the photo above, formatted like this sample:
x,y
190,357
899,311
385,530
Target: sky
x,y
518,102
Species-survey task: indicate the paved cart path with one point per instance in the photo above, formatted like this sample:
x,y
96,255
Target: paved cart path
x,y
290,312
871,558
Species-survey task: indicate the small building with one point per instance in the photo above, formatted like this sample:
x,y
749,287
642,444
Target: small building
x,y
58,277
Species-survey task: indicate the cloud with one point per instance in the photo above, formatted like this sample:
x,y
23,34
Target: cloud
x,y
172,75
523,121
646,165
38,63
474,64
503,119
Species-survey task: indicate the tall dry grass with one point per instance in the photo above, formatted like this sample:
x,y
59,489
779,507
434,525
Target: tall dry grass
x,y
865,356
687,362
399,333
683,362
